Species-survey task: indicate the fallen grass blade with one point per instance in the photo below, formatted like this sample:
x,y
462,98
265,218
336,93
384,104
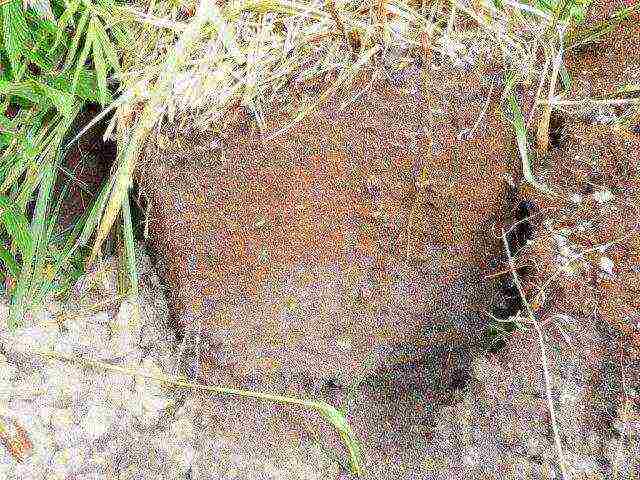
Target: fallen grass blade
x,y
329,413
543,350
521,137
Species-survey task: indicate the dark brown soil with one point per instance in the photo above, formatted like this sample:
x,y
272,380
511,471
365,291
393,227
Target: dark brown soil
x,y
364,232
594,170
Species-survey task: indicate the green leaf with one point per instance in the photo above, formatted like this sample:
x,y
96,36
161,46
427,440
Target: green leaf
x,y
16,34
87,88
98,61
63,21
82,60
107,47
75,43
63,101
9,262
5,139
16,225
26,90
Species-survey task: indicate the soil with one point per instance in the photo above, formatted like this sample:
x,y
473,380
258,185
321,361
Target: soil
x,y
362,236
360,231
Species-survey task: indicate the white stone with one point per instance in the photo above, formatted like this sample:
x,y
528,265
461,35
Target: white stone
x,y
37,337
32,385
45,413
65,381
576,198
69,437
606,264
603,196
116,387
126,329
62,418
183,429
149,386
133,404
97,421
68,460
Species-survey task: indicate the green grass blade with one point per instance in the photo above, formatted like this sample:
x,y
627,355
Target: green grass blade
x,y
63,22
521,137
98,61
27,90
16,225
129,247
86,89
63,101
82,60
16,33
107,47
9,262
27,278
75,43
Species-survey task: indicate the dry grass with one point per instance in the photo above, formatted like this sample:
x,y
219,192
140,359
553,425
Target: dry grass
x,y
194,61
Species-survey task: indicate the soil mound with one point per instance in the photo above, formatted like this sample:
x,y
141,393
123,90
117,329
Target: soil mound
x,y
360,236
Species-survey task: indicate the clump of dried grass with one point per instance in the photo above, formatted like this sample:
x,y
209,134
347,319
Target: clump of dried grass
x,y
198,59
247,51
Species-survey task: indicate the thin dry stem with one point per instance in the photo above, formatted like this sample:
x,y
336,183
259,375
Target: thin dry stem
x,y
545,361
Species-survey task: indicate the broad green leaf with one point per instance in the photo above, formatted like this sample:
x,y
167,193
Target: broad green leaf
x,y
5,139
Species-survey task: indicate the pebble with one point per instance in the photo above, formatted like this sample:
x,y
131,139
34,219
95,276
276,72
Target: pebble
x,y
97,421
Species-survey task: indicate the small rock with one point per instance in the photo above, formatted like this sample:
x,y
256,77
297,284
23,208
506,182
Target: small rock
x,y
67,460
97,421
69,437
603,196
65,382
62,418
37,337
606,265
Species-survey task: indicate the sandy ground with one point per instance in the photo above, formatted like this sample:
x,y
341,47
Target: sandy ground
x,y
413,421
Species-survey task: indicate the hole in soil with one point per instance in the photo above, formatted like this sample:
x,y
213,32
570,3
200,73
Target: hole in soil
x,y
459,379
556,129
85,167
